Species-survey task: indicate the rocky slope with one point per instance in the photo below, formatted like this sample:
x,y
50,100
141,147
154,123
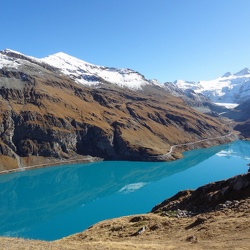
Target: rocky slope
x,y
214,216
47,116
211,197
243,128
197,101
241,116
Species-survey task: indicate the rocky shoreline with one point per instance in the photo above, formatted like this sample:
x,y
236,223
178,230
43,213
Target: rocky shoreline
x,y
54,162
175,152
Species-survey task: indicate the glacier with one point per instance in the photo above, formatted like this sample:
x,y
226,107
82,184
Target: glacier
x,y
229,88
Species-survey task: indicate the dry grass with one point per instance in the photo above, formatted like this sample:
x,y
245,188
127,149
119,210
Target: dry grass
x,y
225,229
7,163
149,122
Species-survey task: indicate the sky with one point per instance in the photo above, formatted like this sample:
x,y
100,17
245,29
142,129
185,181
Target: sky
x,y
162,39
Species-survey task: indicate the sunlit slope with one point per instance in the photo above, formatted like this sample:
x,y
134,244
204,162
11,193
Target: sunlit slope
x,y
45,115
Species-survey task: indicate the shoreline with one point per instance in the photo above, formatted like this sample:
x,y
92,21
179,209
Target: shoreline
x,y
218,223
89,159
185,146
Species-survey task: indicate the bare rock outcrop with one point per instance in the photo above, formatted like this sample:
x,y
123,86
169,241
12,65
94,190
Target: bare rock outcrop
x,y
213,196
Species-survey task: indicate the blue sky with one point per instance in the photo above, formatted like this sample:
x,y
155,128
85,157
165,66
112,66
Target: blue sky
x,y
162,39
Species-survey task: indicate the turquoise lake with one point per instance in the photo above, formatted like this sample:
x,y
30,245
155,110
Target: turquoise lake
x,y
54,202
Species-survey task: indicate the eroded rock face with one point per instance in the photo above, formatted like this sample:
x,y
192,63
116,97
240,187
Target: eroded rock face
x,y
243,128
45,113
210,197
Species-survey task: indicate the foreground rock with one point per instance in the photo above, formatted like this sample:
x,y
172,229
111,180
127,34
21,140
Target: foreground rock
x,y
215,216
211,197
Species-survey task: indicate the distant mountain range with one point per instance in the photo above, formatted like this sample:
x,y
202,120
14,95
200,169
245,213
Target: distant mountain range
x,y
60,108
225,90
229,88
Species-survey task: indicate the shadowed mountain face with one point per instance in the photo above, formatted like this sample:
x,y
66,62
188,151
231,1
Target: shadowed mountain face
x,y
46,115
241,116
195,100
240,113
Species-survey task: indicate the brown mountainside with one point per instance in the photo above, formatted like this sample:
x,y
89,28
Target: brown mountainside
x,y
241,116
46,117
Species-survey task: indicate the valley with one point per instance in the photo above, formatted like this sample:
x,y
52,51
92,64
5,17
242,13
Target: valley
x,y
50,115
61,110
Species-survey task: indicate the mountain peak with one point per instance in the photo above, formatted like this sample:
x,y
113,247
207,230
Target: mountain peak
x,y
227,74
229,88
6,51
66,58
243,72
89,74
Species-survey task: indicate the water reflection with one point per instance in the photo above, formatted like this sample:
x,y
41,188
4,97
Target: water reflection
x,y
43,195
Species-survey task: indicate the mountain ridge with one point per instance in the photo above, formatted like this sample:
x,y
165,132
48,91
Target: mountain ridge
x,y
229,88
47,116
86,73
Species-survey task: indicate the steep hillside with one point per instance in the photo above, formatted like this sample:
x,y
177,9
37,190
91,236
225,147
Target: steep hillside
x,y
240,113
47,116
195,100
241,116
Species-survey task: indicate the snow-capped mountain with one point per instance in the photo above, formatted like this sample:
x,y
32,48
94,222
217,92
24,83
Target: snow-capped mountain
x,y
229,88
90,74
53,111
11,62
195,100
80,71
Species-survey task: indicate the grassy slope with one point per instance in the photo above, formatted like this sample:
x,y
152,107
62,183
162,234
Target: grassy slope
x,y
149,121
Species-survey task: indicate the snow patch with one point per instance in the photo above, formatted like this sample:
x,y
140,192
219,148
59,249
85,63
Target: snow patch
x,y
6,61
228,105
90,74
230,88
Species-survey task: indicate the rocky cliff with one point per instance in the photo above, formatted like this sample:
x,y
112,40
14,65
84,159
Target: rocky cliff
x,y
48,117
241,117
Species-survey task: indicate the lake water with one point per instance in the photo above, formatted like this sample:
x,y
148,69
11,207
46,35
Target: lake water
x,y
54,202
